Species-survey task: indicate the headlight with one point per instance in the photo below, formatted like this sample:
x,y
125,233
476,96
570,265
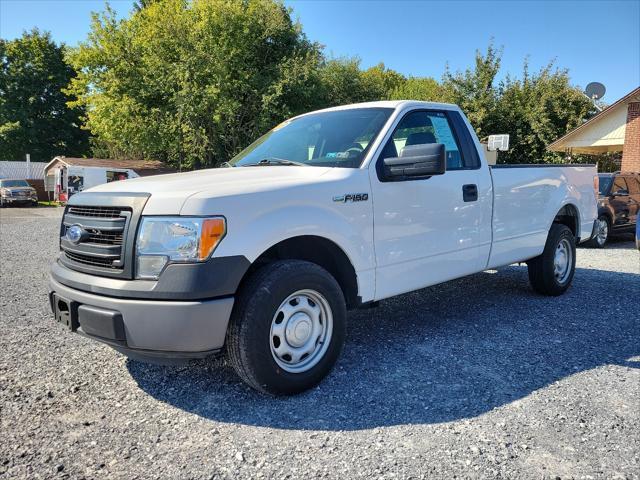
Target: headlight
x,y
175,239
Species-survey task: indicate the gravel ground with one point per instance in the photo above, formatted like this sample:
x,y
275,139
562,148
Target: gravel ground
x,y
475,378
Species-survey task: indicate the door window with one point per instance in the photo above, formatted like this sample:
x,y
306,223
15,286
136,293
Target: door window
x,y
422,127
619,186
633,185
113,176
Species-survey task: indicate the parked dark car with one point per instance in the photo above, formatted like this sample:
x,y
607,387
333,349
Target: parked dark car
x,y
17,192
618,205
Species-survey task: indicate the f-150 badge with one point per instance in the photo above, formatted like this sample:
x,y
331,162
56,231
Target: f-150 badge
x,y
351,197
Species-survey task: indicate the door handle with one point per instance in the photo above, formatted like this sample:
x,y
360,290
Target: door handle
x,y
470,192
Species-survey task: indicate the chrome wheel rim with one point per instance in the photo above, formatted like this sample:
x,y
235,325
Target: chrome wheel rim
x,y
301,331
603,231
562,261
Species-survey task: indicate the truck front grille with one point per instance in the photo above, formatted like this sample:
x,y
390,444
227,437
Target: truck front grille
x,y
108,222
101,245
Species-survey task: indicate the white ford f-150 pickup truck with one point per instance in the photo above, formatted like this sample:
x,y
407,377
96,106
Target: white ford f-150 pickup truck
x,y
328,211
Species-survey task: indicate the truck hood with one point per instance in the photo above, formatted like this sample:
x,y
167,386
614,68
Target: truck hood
x,y
169,192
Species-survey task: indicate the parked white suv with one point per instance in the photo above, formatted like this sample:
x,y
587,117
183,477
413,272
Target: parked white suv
x,y
328,211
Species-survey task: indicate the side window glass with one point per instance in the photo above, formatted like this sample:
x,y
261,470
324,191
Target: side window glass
x,y
619,185
418,128
444,134
634,185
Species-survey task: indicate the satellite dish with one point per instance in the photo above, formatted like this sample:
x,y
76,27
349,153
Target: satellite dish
x,y
595,91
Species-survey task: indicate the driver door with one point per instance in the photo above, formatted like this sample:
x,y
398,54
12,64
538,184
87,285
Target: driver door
x,y
429,230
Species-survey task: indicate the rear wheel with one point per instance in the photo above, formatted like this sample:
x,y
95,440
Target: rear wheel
x,y
603,228
287,328
552,272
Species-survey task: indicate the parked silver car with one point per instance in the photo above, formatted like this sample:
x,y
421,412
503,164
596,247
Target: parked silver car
x,y
17,192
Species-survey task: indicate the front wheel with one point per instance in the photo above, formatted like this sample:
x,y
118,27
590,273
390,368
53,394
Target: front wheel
x,y
287,328
552,272
603,227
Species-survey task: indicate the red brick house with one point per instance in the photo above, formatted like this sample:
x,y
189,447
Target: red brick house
x,y
614,129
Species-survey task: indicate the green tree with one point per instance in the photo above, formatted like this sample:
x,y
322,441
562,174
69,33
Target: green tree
x,y
419,88
379,81
34,116
340,82
192,82
536,110
343,81
140,4
474,90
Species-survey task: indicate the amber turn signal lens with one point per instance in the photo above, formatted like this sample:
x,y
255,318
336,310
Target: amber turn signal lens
x,y
213,230
596,184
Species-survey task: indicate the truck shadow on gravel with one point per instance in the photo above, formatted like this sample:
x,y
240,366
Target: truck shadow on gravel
x,y
624,241
444,353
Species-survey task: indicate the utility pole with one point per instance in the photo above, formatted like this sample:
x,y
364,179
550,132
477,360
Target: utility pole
x,y
29,166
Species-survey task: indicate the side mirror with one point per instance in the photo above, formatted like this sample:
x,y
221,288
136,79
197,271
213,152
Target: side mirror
x,y
422,160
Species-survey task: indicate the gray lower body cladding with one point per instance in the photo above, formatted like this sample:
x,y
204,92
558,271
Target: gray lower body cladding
x,y
217,277
147,329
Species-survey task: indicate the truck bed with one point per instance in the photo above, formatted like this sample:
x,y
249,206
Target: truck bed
x,y
524,197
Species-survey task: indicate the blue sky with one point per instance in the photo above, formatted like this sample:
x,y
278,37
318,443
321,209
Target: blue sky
x,y
595,40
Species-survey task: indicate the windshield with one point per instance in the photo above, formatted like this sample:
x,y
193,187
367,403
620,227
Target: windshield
x,y
13,183
605,184
338,138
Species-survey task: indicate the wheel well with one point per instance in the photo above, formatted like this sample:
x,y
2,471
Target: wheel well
x,y
568,215
607,214
317,250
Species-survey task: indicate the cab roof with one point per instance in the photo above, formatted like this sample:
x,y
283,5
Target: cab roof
x,y
393,104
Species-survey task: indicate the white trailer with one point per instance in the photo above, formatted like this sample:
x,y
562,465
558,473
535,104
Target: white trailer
x,y
64,177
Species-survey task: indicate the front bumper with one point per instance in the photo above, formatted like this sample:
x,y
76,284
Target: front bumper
x,y
150,330
10,200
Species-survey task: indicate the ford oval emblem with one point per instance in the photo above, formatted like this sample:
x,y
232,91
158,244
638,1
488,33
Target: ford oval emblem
x,y
75,233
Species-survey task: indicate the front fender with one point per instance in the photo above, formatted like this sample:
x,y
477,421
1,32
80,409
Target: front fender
x,y
259,218
351,230
353,234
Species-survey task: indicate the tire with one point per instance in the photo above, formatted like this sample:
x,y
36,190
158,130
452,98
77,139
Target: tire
x,y
552,272
308,302
603,232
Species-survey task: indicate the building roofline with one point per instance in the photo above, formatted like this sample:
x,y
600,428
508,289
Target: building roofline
x,y
55,159
114,164
597,116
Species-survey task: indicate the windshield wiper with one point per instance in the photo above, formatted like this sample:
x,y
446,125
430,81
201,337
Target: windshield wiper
x,y
274,161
